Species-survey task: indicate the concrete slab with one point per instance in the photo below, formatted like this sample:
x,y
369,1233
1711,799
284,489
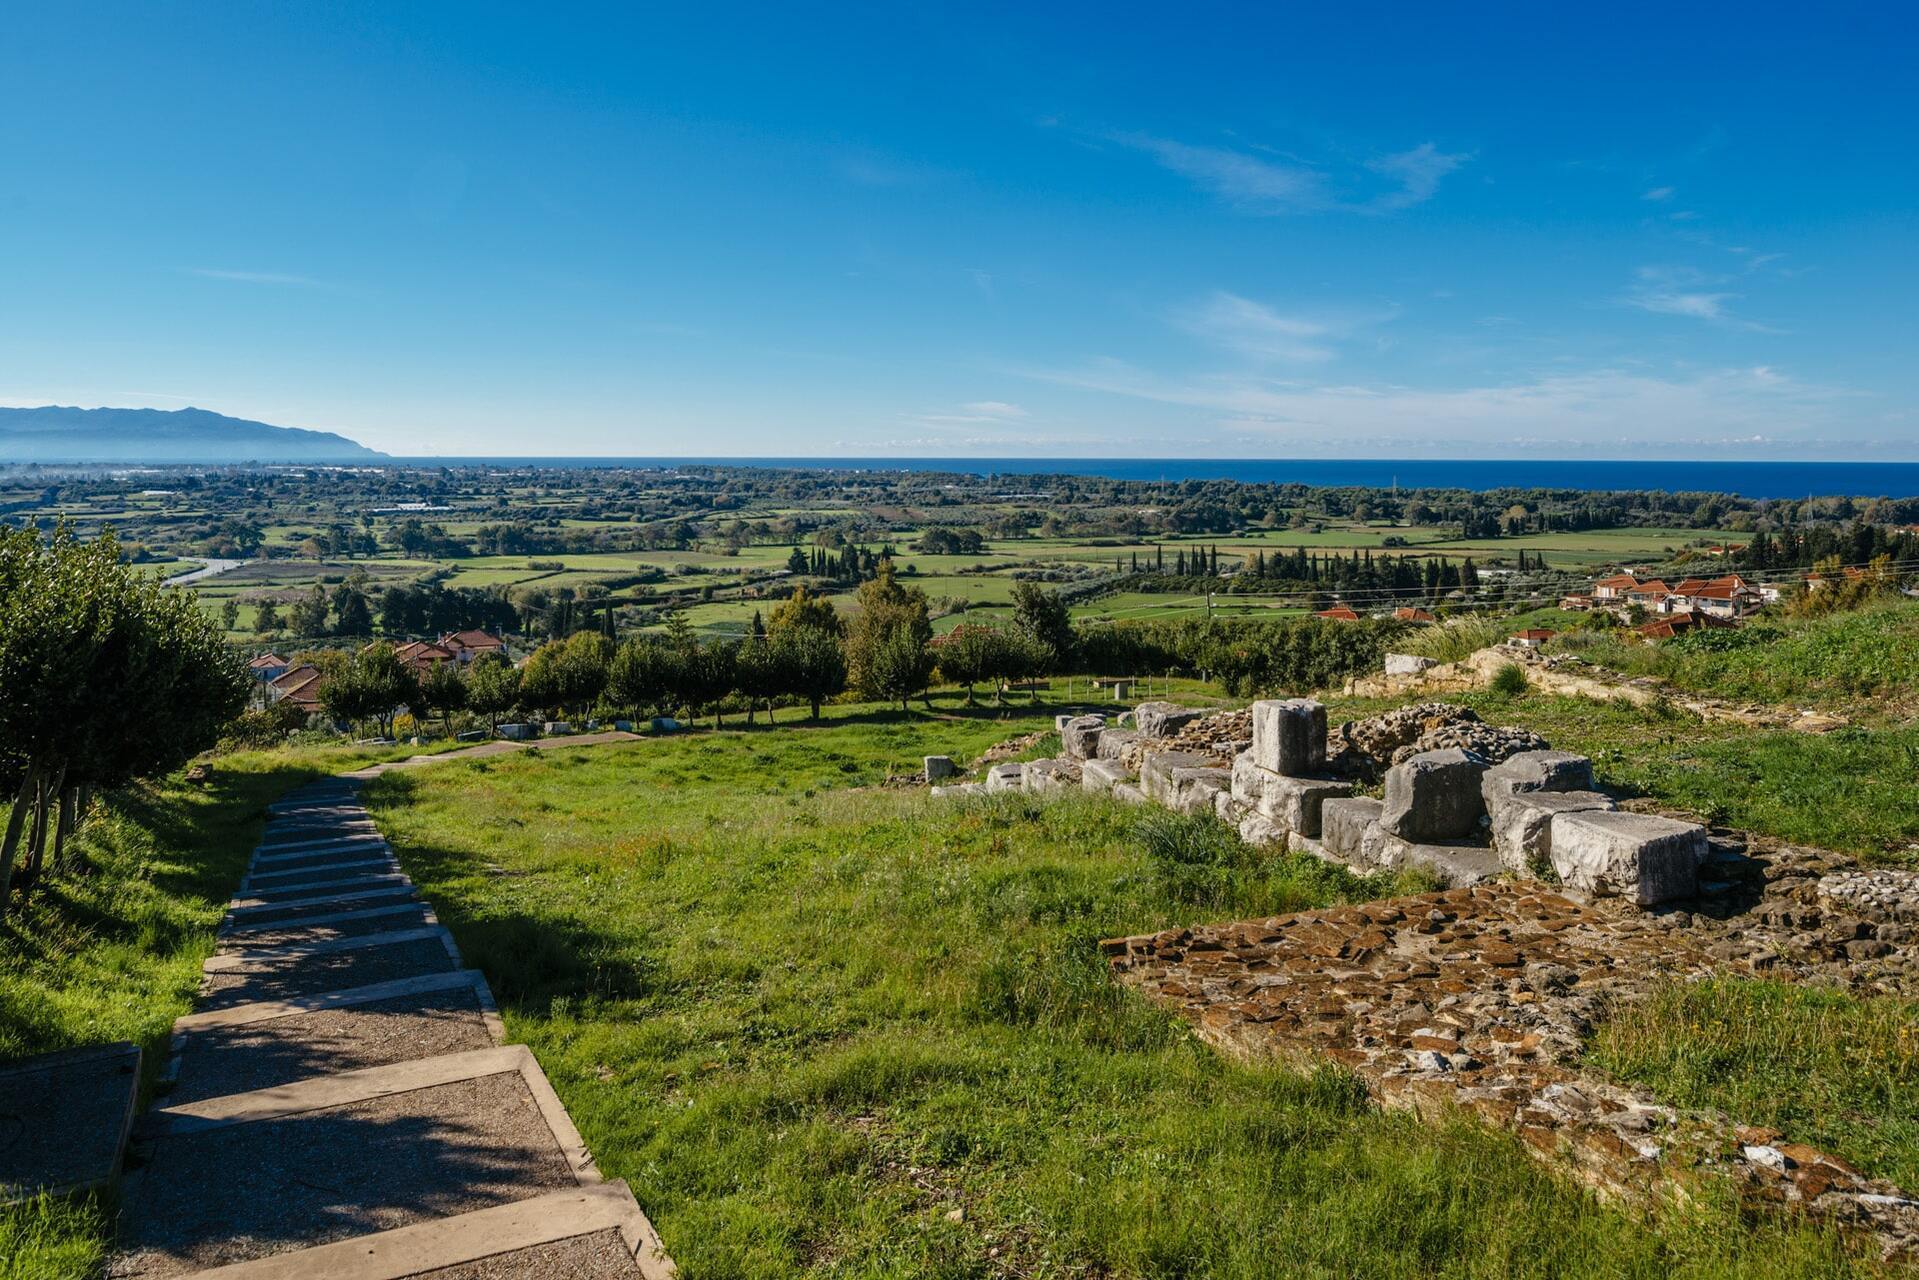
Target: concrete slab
x,y
64,1118
517,1240
267,855
307,975
215,1059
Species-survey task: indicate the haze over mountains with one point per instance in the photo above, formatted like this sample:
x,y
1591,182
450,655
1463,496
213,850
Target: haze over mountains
x,y
55,433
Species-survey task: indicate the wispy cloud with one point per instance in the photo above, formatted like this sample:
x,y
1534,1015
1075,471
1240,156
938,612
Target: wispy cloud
x,y
1658,193
1685,291
1596,412
1248,182
1418,172
281,278
1266,186
1255,329
973,412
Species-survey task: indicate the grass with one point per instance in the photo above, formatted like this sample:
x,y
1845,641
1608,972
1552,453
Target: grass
x,y
838,1032
1836,1071
1856,661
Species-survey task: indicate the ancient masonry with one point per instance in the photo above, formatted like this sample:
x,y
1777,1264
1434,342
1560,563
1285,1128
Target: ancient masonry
x,y
1480,995
342,1104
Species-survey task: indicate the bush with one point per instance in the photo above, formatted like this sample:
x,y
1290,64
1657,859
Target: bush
x,y
1509,681
1455,638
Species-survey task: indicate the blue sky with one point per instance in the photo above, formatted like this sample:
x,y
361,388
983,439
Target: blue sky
x,y
1177,231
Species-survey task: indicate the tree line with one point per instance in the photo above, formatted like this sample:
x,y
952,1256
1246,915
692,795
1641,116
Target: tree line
x,y
105,677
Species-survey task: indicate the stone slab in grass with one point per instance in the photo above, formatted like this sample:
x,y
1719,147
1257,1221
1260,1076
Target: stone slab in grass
x,y
603,1255
64,1118
309,974
243,1190
217,1059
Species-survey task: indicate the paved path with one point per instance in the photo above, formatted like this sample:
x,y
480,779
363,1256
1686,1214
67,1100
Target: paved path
x,y
496,747
342,1105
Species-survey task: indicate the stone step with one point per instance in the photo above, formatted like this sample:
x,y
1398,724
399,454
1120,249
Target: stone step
x,y
351,962
343,882
242,1176
350,924
326,911
339,851
249,1047
590,1233
319,905
296,876
287,839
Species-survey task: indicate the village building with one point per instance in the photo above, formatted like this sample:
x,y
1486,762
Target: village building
x,y
1338,613
1406,613
299,685
267,667
1532,637
465,646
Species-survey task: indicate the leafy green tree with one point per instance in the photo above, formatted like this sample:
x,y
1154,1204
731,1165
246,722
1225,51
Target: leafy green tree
x,y
230,613
492,688
887,610
804,610
308,615
1041,616
105,676
266,617
444,692
813,661
352,615
796,563
964,656
373,685
759,674
644,674
898,666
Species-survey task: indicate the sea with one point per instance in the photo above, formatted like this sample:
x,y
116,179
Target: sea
x,y
1747,479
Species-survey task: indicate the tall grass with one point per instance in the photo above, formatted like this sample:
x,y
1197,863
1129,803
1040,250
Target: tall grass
x,y
1833,1070
1454,639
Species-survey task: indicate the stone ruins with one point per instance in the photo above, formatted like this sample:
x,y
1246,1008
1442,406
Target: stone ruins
x,y
1557,904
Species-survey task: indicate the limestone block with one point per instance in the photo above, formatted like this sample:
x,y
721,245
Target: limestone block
x,y
1156,774
1407,664
1197,787
1535,771
1456,864
1633,855
1434,795
1343,825
1059,721
1162,719
1046,775
1296,843
937,767
1230,811
1523,825
1079,736
1128,793
516,732
1289,736
557,728
1114,743
1299,803
1249,780
1005,777
1255,830
1103,775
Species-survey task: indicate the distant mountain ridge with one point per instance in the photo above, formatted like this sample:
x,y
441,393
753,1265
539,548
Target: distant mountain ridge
x,y
56,433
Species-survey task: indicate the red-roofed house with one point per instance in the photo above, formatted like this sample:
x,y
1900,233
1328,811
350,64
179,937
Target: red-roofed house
x,y
1408,614
1615,587
1532,637
299,685
1338,613
268,667
423,655
470,644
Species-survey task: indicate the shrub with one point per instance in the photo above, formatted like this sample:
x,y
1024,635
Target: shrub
x,y
1509,681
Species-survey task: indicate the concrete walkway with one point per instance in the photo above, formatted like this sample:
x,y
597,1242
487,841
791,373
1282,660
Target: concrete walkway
x,y
496,747
342,1105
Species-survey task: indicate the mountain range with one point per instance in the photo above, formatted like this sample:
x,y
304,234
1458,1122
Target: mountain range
x,y
55,433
